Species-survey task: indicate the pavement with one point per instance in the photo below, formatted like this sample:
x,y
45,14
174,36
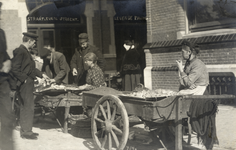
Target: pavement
x,y
51,136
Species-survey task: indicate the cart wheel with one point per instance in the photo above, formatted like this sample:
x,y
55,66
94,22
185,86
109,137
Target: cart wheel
x,y
113,129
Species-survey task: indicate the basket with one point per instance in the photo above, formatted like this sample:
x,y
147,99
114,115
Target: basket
x,y
82,128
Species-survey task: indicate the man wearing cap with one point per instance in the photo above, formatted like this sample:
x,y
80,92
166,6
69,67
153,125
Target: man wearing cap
x,y
55,66
79,69
23,69
6,114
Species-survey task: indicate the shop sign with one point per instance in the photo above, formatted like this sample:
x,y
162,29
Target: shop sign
x,y
53,20
129,18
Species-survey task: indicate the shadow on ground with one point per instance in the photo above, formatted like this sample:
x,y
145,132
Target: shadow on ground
x,y
140,140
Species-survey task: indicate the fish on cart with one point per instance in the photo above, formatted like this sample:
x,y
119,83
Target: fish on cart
x,y
146,93
65,87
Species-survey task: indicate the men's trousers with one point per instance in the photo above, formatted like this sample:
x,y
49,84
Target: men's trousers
x,y
7,117
25,93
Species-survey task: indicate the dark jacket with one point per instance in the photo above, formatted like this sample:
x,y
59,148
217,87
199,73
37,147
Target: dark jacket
x,y
23,65
58,69
3,48
77,61
3,55
130,63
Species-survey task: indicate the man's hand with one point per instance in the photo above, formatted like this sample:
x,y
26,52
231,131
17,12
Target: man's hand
x,y
180,65
46,77
74,72
193,86
52,80
12,93
6,66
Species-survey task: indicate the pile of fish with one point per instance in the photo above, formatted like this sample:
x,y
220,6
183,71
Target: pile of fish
x,y
65,87
146,93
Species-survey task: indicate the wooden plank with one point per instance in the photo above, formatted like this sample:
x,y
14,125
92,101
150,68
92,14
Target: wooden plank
x,y
178,125
67,110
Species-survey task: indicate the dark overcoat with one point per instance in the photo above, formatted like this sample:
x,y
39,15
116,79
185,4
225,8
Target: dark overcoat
x,y
77,62
23,65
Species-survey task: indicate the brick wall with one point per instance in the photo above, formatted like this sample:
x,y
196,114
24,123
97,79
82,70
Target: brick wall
x,y
169,79
165,19
165,80
218,56
209,57
165,59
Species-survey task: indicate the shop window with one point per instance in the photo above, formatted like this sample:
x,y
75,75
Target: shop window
x,y
48,38
211,14
65,38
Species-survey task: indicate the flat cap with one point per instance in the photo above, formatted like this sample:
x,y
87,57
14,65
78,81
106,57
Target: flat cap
x,y
83,36
30,35
44,52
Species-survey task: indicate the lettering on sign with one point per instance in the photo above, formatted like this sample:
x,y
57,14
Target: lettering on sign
x,y
63,19
129,18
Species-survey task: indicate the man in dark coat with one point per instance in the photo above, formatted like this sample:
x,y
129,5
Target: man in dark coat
x,y
23,69
79,69
55,66
6,114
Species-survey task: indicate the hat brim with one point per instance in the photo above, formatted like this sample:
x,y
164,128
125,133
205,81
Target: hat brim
x,y
83,40
31,35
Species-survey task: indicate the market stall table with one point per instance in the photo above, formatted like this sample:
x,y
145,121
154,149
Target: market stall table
x,y
54,98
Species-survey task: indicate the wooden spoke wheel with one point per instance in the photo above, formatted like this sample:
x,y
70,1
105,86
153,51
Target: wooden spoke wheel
x,y
110,124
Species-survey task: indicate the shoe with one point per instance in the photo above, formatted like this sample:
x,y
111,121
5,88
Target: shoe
x,y
36,134
29,137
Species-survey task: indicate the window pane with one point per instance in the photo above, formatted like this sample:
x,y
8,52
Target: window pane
x,y
211,13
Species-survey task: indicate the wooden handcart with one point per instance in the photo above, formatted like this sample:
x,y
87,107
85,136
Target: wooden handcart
x,y
60,98
110,123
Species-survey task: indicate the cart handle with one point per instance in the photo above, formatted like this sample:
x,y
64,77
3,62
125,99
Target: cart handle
x,y
208,96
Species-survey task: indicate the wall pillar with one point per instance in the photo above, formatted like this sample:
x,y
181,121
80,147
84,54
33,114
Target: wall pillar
x,y
148,70
100,29
182,19
13,22
89,13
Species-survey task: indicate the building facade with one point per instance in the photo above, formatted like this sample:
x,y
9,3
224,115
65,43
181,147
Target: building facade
x,y
107,22
211,24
